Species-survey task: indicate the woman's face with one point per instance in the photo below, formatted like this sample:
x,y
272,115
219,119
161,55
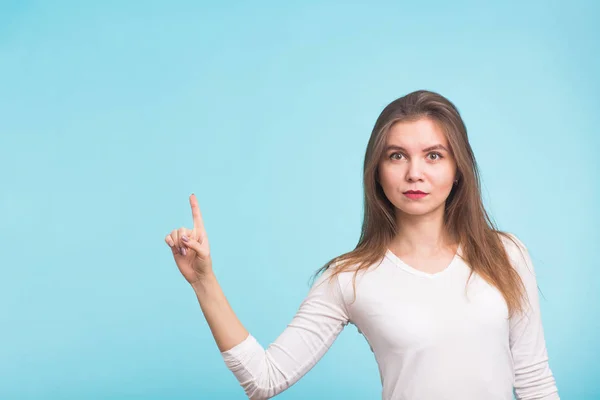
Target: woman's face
x,y
417,157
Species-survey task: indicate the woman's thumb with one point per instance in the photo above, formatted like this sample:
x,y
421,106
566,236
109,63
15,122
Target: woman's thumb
x,y
191,243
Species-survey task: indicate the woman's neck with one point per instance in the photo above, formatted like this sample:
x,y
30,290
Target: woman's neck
x,y
426,235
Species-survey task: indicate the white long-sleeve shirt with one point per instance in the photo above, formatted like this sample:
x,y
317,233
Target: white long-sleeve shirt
x,y
431,340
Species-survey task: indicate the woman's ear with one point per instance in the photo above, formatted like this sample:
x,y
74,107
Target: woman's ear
x,y
457,177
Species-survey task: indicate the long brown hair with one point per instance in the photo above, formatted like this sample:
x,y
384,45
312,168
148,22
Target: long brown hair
x,y
464,217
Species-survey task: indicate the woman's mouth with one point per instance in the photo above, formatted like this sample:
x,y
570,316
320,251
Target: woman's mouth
x,y
415,194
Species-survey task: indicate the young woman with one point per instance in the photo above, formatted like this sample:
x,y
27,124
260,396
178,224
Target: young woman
x,y
447,303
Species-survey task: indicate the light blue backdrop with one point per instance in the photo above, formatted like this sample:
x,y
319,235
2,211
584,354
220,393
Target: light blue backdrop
x,y
112,113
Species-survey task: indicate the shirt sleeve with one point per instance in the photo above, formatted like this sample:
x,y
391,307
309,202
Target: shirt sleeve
x,y
319,320
533,376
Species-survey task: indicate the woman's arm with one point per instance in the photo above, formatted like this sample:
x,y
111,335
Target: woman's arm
x,y
262,373
225,326
266,373
533,376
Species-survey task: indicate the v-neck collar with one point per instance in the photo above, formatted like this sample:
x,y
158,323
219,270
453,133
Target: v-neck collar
x,y
398,261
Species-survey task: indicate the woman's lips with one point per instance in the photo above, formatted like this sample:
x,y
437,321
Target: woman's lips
x,y
415,196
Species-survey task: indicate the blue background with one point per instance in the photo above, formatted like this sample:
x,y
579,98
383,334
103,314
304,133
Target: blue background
x,y
112,113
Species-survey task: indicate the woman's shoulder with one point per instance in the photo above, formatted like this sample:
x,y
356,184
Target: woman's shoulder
x,y
512,242
357,276
517,251
337,271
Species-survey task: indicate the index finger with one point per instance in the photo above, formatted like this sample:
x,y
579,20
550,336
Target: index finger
x,y
198,224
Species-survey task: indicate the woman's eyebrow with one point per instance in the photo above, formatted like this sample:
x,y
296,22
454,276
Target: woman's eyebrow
x,y
430,148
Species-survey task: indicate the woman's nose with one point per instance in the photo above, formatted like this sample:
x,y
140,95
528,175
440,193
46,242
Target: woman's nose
x,y
415,171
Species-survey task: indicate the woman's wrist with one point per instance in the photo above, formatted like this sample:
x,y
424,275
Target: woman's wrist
x,y
203,281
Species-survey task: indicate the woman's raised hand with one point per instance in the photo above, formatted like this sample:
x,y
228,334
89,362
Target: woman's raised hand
x,y
190,248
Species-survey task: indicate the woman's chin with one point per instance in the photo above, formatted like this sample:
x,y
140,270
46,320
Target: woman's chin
x,y
418,209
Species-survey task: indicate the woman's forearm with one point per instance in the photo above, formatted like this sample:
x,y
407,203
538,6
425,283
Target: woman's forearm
x,y
225,326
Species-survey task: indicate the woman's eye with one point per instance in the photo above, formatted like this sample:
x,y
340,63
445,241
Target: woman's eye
x,y
437,156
